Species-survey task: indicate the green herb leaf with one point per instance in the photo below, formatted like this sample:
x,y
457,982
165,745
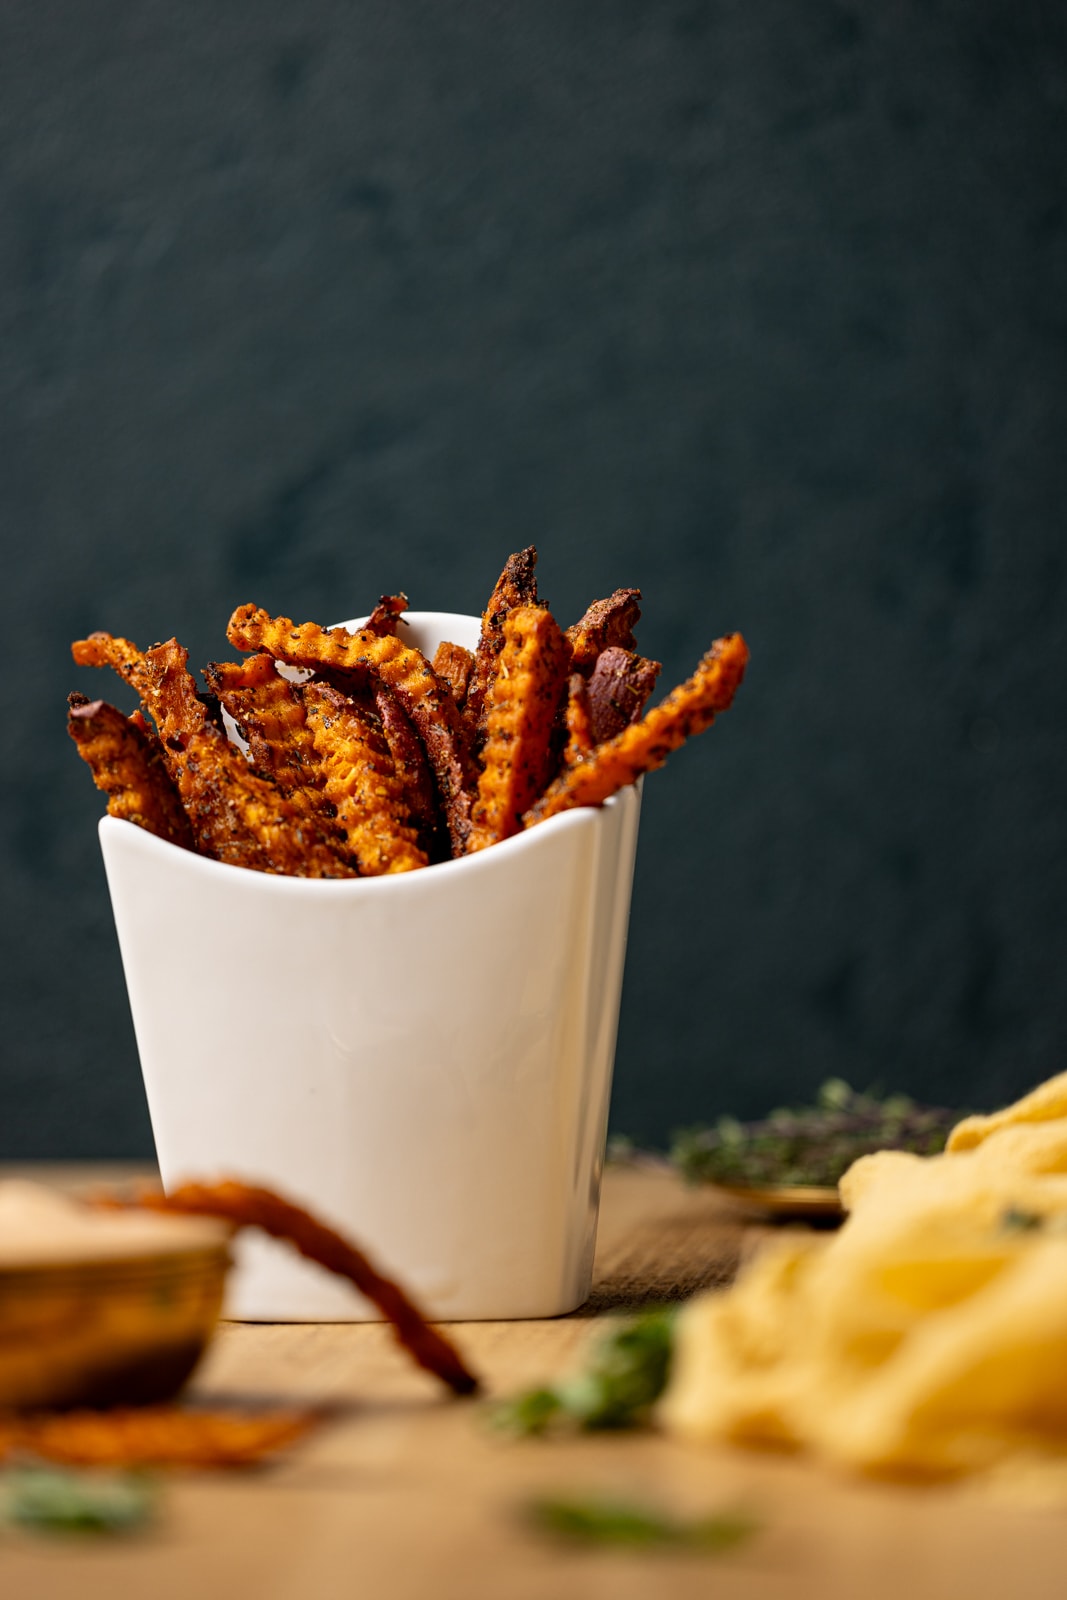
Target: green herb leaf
x,y
57,1501
625,1373
619,1522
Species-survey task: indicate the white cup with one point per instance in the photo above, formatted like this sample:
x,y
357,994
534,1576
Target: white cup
x,y
423,1059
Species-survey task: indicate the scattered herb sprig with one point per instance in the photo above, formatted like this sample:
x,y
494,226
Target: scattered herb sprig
x,y
812,1145
624,1375
62,1501
596,1521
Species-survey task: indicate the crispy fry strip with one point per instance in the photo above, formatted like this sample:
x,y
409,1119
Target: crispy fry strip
x,y
580,741
516,586
359,778
606,623
235,816
644,745
522,707
270,714
426,700
154,1436
413,769
245,1205
126,762
619,687
454,665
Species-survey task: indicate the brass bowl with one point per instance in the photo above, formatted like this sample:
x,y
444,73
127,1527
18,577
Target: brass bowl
x,y
122,1331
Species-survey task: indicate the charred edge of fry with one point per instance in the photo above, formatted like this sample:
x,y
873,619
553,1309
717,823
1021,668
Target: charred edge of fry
x,y
516,586
126,763
522,708
247,1205
580,741
425,699
645,745
618,689
385,617
607,622
157,1436
359,778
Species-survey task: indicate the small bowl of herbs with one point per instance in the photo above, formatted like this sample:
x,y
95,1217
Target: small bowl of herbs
x,y
790,1162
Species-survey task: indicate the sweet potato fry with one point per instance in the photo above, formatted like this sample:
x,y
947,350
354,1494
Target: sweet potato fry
x,y
413,769
245,1205
236,816
619,686
606,623
644,745
516,586
454,665
270,715
580,741
426,700
154,1436
359,778
126,762
521,712
385,617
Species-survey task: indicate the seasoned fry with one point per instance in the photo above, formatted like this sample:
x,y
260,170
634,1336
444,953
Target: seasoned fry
x,y
385,617
413,770
127,763
270,714
606,623
645,745
521,711
154,1436
235,816
516,586
359,779
245,1205
454,665
580,741
619,687
426,700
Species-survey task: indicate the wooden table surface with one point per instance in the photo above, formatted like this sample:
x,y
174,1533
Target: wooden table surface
x,y
409,1494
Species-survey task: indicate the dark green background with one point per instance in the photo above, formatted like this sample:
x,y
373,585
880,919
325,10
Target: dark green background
x,y
760,305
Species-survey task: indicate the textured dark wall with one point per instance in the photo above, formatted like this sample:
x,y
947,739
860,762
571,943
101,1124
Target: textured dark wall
x,y
759,305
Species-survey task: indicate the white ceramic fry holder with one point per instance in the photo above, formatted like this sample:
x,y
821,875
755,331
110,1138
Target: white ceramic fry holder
x,y
423,1059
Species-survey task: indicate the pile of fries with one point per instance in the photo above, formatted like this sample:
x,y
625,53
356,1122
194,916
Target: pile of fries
x,y
371,759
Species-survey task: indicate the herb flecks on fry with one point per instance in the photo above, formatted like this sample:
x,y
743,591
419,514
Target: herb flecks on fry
x,y
270,716
127,763
617,690
427,701
516,586
521,713
360,780
645,745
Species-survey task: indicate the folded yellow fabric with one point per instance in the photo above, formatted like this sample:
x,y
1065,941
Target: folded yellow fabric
x,y
927,1338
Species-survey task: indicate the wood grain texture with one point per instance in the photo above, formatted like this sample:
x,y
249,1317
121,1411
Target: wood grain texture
x,y
408,1494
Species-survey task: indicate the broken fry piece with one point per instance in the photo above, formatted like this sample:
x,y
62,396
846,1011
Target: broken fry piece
x,y
454,664
521,711
618,690
154,1436
360,780
127,763
426,700
385,617
606,623
645,745
245,1205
